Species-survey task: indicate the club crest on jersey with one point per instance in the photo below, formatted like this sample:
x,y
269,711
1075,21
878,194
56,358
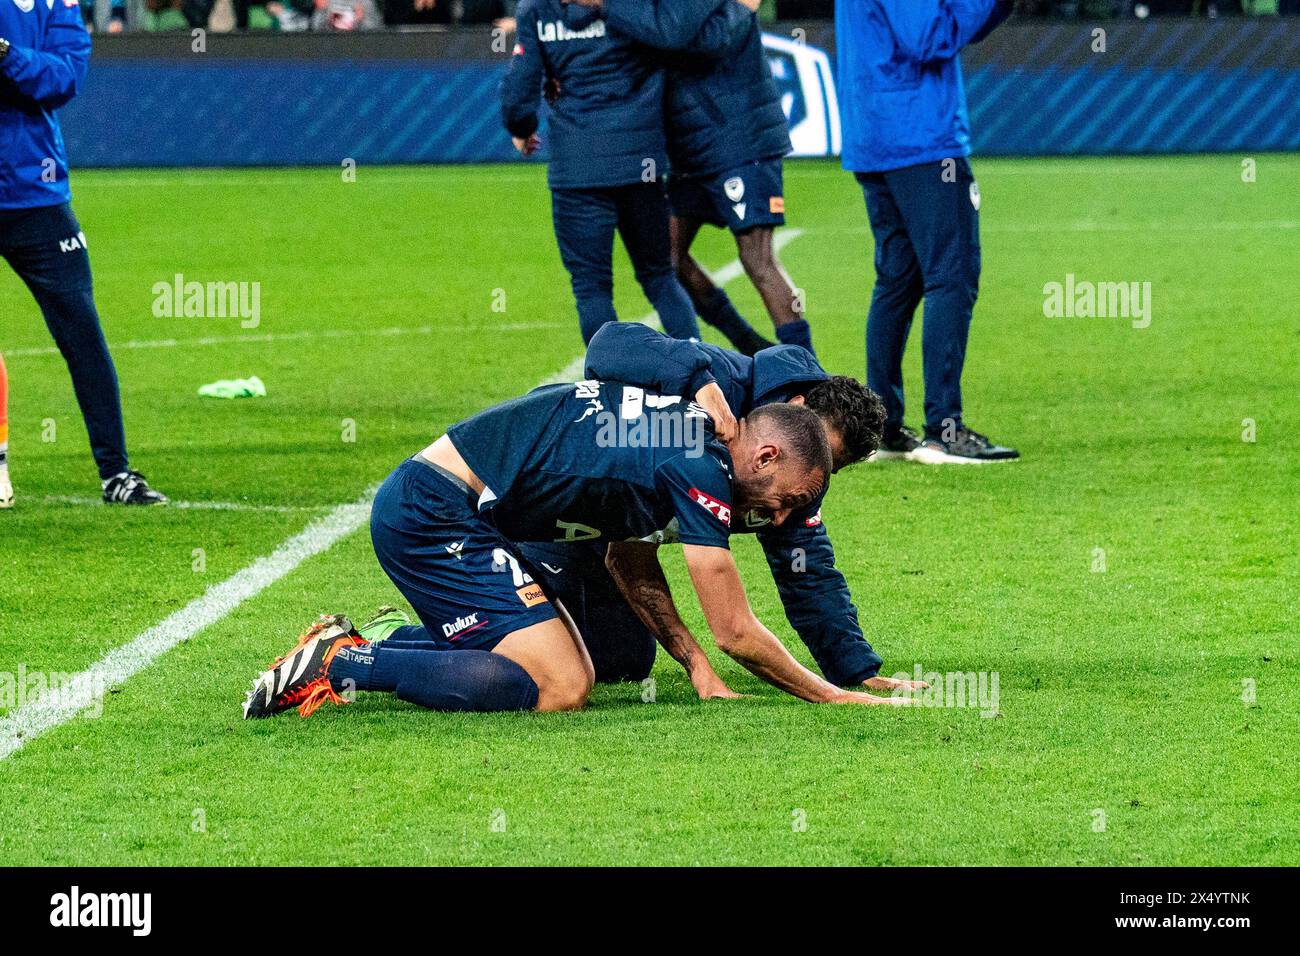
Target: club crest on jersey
x,y
712,505
734,188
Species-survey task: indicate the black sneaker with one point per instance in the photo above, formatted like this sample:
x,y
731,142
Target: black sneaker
x,y
130,488
899,443
966,448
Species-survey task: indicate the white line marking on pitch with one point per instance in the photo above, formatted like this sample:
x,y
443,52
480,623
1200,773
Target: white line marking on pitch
x,y
30,720
79,501
260,338
33,719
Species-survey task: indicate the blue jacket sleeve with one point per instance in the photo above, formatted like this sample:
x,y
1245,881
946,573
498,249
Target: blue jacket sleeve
x,y
630,352
817,601
52,75
662,24
725,30
521,87
932,30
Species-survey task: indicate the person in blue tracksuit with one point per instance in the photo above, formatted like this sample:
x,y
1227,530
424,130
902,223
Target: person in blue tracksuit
x,y
907,138
44,49
727,134
606,144
799,553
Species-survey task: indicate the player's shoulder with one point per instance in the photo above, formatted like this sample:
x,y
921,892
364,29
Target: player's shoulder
x,y
708,465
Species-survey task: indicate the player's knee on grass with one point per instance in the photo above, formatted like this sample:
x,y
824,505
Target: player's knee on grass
x,y
548,653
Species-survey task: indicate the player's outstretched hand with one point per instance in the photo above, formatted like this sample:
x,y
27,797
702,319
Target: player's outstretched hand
x,y
711,399
857,697
710,687
893,683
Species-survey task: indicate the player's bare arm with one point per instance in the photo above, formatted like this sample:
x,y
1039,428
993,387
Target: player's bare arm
x,y
741,636
635,568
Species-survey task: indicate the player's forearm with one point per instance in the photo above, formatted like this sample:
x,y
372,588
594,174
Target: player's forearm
x,y
641,580
757,649
817,602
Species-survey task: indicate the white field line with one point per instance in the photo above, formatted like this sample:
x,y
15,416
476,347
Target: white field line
x,y
79,501
265,337
117,666
33,719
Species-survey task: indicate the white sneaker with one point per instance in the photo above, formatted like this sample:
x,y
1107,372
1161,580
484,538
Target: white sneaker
x,y
6,489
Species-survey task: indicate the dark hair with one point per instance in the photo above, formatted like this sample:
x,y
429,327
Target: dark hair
x,y
802,434
853,410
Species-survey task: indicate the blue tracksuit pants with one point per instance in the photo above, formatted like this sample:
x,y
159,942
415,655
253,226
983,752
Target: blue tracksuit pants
x,y
925,220
47,249
585,223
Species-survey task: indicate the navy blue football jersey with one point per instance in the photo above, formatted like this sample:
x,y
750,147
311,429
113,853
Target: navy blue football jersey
x,y
600,460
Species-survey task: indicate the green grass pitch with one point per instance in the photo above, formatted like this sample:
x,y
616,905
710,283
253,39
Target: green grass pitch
x,y
1149,712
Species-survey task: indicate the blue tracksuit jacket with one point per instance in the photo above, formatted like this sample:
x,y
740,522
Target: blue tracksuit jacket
x,y
816,600
48,52
902,100
606,91
723,112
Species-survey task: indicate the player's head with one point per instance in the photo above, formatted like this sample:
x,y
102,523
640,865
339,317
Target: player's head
x,y
782,460
853,414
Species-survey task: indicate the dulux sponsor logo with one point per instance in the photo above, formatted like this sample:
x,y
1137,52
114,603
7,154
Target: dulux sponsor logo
x,y
460,624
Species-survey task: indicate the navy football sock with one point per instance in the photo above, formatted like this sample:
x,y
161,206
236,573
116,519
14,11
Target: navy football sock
x,y
722,315
462,680
352,668
796,333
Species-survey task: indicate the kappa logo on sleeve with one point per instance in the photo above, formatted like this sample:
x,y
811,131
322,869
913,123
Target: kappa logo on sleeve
x,y
815,520
518,50
712,505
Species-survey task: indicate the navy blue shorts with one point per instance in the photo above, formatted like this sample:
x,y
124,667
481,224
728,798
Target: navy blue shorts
x,y
737,199
468,585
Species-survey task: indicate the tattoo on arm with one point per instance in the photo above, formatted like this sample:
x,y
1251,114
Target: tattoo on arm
x,y
647,591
